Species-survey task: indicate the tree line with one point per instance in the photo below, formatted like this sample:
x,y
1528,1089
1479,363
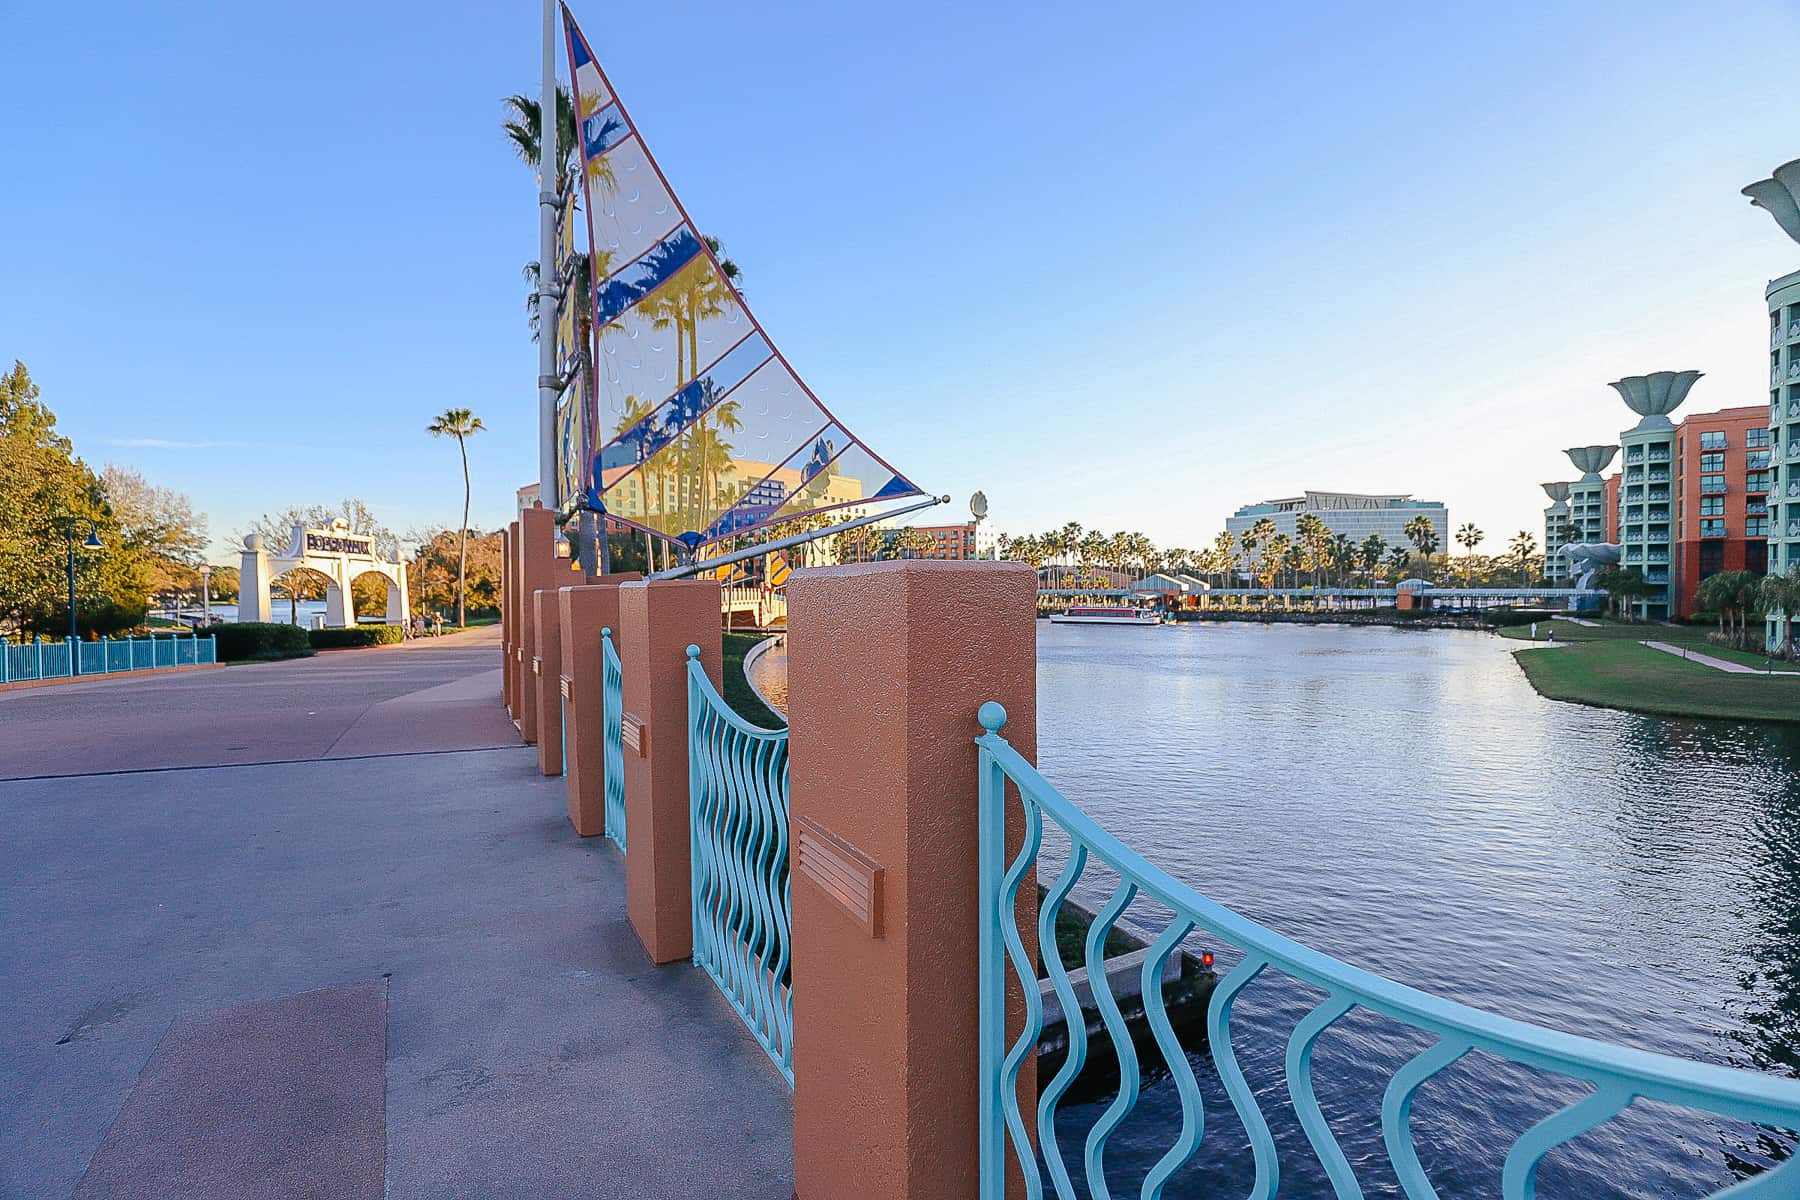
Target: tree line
x,y
1261,555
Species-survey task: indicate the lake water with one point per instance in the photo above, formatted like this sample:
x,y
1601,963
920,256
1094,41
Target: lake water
x,y
1404,800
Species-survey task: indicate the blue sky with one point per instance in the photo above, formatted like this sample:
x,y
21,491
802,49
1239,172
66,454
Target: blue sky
x,y
1131,269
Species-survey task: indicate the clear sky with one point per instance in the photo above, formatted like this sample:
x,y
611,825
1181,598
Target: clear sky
x,y
1132,266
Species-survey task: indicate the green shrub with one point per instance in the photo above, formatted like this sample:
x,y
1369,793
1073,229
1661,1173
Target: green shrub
x,y
259,641
357,635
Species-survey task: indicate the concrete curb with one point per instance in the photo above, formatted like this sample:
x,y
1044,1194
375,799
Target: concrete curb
x,y
19,685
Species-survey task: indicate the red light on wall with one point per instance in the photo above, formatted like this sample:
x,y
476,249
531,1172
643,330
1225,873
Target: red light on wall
x,y
1206,958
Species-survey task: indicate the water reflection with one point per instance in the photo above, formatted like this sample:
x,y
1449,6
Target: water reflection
x,y
1404,800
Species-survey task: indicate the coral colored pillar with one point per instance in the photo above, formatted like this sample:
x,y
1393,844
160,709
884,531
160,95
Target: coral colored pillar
x,y
538,570
887,663
545,678
583,611
662,618
508,627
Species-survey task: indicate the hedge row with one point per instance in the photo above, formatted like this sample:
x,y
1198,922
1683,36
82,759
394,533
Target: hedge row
x,y
259,641
356,635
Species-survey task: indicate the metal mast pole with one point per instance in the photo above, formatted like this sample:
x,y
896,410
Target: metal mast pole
x,y
549,167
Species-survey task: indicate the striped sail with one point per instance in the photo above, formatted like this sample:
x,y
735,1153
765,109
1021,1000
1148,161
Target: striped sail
x,y
702,426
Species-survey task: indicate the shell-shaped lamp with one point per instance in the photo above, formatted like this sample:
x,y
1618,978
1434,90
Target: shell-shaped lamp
x,y
1591,460
1780,194
1556,491
1654,396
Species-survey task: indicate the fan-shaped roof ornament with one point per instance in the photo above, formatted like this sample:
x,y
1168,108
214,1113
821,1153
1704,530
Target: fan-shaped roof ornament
x,y
1780,194
1557,492
1591,460
1654,396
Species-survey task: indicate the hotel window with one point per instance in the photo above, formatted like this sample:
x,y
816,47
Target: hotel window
x,y
1757,460
1713,441
1712,462
1712,485
1757,437
1712,529
1756,527
1712,506
1756,481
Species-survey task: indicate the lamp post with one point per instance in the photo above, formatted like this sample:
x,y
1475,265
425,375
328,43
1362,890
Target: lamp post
x,y
91,542
205,595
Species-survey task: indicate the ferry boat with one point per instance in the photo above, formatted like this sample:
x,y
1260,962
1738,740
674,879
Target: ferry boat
x,y
1105,614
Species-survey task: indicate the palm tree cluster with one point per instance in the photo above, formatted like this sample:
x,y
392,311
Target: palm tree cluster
x,y
1312,556
1734,597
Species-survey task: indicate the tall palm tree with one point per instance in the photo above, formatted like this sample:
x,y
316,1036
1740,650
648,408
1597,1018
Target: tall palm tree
x,y
1423,535
1522,550
460,424
1468,537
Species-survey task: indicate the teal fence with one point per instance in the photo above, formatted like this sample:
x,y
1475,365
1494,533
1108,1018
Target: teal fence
x,y
22,661
612,725
1616,1075
738,813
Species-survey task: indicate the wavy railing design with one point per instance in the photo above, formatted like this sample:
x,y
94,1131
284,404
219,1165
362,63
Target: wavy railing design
x,y
743,907
25,661
1617,1075
612,738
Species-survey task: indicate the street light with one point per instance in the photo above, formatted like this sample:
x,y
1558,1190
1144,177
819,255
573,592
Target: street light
x,y
205,594
91,542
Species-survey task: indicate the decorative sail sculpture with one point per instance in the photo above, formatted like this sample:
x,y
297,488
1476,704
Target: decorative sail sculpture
x,y
704,430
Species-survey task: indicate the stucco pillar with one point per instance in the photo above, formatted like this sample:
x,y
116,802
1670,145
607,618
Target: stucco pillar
x,y
661,618
537,566
398,610
583,612
253,581
544,676
338,612
509,626
887,664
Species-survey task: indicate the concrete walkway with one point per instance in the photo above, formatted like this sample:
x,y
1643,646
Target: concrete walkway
x,y
1707,660
405,965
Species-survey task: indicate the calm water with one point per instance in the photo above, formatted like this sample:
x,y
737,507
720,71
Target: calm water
x,y
1405,801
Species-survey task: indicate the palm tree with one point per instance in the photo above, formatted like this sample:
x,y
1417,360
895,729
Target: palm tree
x,y
1371,552
1398,560
1781,594
1468,537
1520,551
1423,535
460,424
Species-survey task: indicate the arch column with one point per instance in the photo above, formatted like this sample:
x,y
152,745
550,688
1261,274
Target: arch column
x,y
253,581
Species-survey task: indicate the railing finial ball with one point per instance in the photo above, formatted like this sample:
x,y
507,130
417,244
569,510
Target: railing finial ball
x,y
693,652
606,631
992,716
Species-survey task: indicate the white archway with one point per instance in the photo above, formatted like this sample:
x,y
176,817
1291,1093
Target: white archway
x,y
337,554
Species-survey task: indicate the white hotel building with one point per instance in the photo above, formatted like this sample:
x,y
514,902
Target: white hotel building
x,y
1351,514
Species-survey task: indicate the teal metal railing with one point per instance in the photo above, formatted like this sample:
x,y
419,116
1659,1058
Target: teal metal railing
x,y
738,814
612,736
24,661
1617,1075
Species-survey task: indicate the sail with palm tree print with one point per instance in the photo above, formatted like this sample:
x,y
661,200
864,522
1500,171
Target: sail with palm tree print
x,y
703,427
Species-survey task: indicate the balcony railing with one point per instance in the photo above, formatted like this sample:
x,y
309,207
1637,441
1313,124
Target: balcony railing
x,y
1659,476
1714,489
1659,454
1635,454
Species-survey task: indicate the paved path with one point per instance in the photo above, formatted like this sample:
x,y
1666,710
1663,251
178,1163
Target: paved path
x,y
466,1010
1707,660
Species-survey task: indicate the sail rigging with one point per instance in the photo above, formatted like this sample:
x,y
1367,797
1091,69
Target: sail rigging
x,y
703,430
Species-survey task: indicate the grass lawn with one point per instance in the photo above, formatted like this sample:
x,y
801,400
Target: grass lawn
x,y
1635,631
1618,673
737,690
